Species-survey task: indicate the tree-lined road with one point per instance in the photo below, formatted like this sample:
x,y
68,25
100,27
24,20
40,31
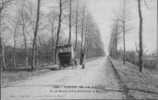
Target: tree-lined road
x,y
96,81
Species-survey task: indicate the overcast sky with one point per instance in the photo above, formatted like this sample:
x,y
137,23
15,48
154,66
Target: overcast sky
x,y
104,11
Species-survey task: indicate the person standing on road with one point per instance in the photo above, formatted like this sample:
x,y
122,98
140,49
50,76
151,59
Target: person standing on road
x,y
82,59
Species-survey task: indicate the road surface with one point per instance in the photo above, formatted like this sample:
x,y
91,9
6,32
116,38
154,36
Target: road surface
x,y
96,81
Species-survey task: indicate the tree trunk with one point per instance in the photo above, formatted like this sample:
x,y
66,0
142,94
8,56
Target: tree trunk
x,y
124,32
53,42
35,37
82,28
14,49
3,57
58,30
14,56
82,36
76,25
2,48
1,52
157,32
69,40
36,55
24,38
114,39
124,44
140,36
26,51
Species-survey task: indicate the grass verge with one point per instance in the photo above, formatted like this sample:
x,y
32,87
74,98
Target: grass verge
x,y
139,85
8,77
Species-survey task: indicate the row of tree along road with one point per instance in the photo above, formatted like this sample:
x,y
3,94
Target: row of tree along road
x,y
120,28
30,32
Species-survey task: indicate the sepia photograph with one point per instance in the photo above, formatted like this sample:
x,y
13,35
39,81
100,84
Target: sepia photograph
x,y
79,49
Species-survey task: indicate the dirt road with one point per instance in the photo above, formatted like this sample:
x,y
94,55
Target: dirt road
x,y
96,81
